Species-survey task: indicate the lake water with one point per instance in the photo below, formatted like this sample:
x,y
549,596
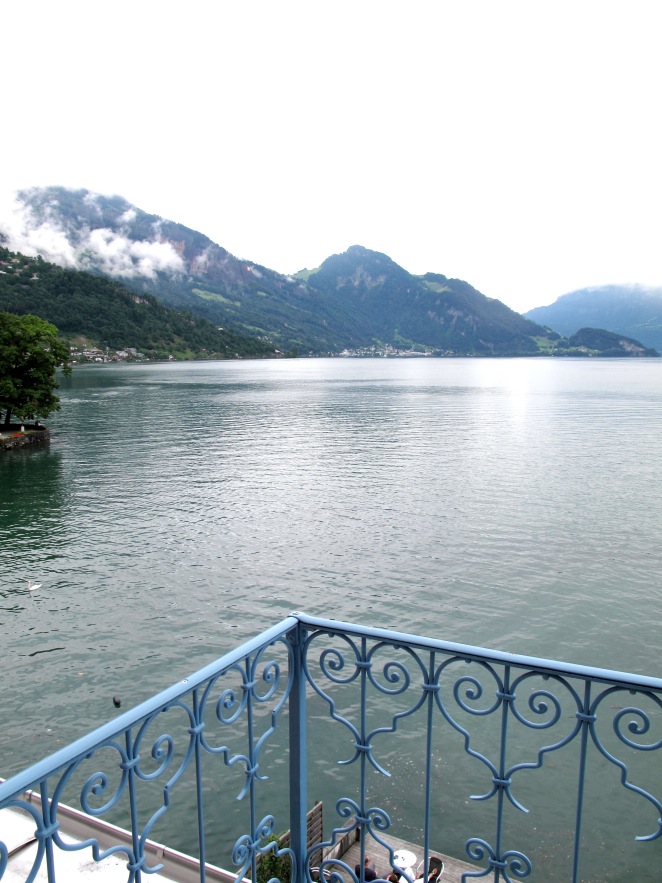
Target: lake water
x,y
181,508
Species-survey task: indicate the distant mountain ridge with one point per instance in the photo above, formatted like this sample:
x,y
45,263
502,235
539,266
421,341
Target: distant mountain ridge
x,y
95,310
183,268
633,310
359,301
387,303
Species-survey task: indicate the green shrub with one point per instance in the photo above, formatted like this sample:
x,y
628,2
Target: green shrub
x,y
272,865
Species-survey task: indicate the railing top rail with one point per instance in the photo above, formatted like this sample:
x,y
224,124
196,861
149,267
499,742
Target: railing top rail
x,y
46,767
467,651
24,780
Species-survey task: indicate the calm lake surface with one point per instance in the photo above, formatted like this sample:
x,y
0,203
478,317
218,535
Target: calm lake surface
x,y
182,508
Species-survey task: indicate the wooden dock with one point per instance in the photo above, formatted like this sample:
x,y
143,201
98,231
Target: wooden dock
x,y
453,868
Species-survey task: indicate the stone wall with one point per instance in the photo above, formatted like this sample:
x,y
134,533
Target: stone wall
x,y
18,435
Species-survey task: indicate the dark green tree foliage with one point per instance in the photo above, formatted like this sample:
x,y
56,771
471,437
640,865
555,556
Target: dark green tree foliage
x,y
606,343
30,351
105,312
272,866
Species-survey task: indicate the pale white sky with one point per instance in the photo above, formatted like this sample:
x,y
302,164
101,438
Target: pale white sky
x,y
516,144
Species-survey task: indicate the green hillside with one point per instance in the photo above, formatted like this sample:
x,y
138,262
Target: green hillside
x,y
359,302
201,277
428,312
597,341
105,313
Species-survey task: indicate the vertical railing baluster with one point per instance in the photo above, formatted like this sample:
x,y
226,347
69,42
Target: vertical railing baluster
x,y
506,699
431,687
250,754
132,760
585,718
298,757
363,754
47,819
198,782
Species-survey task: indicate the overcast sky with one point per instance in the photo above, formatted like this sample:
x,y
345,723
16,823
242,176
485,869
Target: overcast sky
x,y
517,145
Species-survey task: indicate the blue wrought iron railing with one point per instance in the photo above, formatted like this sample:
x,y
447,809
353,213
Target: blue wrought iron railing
x,y
405,724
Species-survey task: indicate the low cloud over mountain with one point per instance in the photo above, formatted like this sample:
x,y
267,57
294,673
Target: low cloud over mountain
x,y
33,223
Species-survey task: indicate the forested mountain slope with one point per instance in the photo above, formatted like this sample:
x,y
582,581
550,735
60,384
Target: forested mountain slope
x,y
181,267
105,313
387,303
326,310
359,301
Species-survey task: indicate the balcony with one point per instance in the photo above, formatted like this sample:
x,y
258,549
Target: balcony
x,y
505,766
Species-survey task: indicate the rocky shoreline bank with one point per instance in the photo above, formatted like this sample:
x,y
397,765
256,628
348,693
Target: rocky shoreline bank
x,y
18,435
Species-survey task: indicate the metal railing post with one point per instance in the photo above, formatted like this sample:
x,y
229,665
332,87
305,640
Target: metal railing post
x,y
298,760
585,718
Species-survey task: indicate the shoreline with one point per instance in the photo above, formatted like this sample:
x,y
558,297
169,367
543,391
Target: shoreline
x,y
19,435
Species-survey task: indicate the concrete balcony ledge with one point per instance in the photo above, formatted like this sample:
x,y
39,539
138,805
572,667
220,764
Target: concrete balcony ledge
x,y
78,866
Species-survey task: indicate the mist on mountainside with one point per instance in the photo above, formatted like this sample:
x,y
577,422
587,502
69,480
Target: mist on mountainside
x,y
81,230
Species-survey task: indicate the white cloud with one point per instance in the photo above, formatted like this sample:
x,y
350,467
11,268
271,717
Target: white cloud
x,y
23,234
112,253
119,256
92,200
200,262
153,256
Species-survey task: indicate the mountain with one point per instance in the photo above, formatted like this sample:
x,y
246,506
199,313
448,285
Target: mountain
x,y
99,311
387,304
632,310
181,267
359,301
597,341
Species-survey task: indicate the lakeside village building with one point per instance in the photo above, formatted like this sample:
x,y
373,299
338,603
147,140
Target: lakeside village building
x,y
93,354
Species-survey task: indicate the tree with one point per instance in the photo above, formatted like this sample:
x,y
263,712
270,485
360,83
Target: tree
x,y
30,351
273,866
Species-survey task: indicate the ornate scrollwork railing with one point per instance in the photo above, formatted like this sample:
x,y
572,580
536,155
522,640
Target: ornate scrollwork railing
x,y
533,708
107,771
507,716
